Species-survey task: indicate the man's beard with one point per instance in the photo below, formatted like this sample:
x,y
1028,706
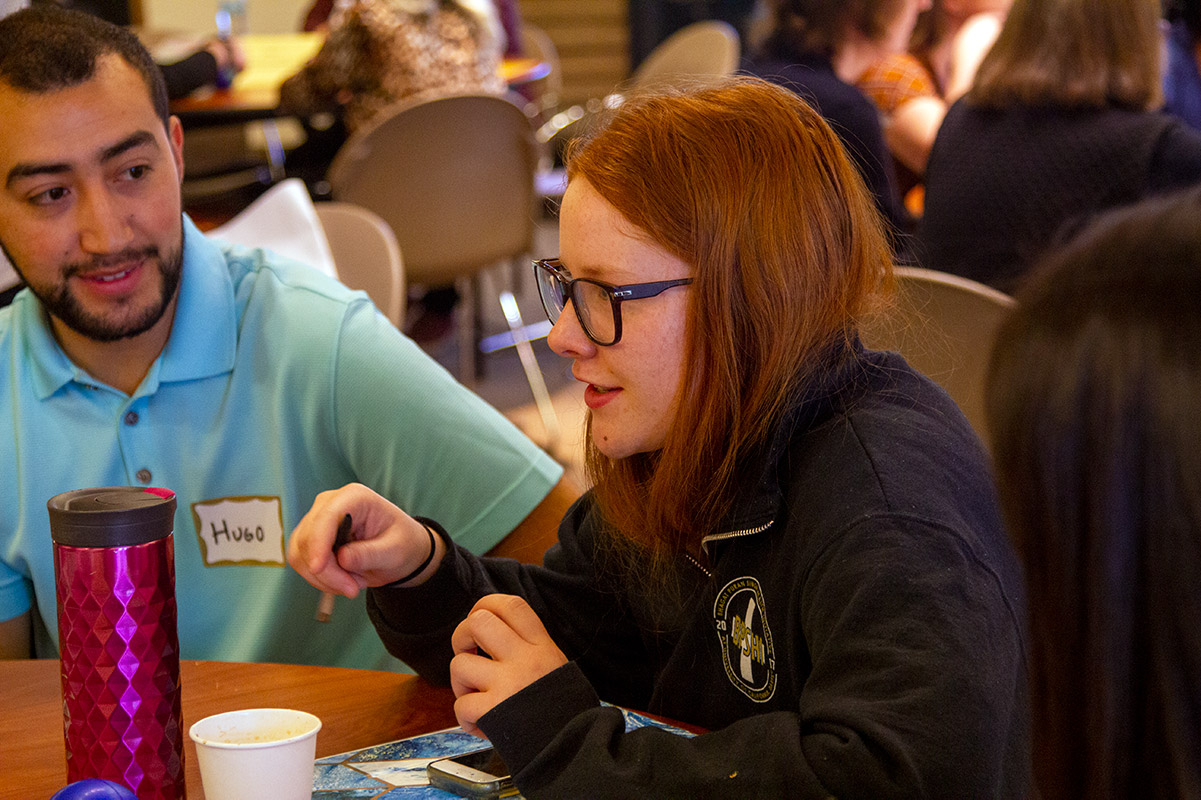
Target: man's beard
x,y
61,303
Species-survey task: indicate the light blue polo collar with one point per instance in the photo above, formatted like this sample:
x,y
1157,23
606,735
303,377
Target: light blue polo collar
x,y
203,340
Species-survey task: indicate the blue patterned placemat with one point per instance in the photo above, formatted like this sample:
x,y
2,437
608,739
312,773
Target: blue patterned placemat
x,y
396,770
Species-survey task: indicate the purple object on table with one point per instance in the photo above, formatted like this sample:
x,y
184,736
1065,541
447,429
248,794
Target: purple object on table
x,y
94,789
225,76
114,571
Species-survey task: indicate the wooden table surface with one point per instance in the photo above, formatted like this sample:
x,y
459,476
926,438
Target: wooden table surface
x,y
358,708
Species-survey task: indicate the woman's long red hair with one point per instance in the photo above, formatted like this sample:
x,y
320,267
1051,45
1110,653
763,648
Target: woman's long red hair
x,y
746,183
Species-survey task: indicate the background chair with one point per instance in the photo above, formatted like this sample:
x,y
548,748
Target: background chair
x,y
709,48
366,255
9,280
545,93
453,177
544,99
282,219
706,48
945,327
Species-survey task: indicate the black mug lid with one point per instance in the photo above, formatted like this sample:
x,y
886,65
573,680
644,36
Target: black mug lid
x,y
111,516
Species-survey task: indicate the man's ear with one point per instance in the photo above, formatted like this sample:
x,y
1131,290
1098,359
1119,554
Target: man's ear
x,y
175,134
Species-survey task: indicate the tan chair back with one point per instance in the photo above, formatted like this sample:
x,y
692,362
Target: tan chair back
x,y
945,327
548,91
706,48
367,255
452,176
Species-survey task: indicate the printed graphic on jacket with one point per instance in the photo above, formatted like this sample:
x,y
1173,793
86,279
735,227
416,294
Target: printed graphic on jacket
x,y
746,646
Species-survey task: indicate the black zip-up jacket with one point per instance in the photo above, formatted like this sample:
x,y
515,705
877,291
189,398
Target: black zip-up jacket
x,y
856,633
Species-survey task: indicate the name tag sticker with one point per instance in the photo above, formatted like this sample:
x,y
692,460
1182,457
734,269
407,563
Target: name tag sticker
x,y
237,531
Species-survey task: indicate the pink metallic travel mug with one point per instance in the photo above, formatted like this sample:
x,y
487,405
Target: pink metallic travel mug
x,y
114,566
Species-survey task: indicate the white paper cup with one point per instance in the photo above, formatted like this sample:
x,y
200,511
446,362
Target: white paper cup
x,y
258,752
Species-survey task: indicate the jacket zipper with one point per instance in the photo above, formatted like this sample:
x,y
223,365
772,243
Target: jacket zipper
x,y
698,565
722,537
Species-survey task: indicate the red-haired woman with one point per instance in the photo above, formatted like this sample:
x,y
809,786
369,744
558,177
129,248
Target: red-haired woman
x,y
792,542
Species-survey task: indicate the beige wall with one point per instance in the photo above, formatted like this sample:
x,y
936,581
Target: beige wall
x,y
592,41
196,16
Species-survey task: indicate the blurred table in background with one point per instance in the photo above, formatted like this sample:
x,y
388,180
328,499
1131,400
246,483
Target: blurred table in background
x,y
270,60
358,708
238,140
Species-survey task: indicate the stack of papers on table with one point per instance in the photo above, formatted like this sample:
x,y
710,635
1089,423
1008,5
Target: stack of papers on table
x,y
396,770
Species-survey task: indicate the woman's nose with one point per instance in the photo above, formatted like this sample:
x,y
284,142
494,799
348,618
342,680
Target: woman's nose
x,y
567,337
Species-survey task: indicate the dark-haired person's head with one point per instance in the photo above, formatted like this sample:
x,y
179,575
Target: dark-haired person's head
x,y
1094,401
90,167
45,48
744,189
803,27
1187,11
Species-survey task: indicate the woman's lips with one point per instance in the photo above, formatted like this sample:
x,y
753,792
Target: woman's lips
x,y
598,396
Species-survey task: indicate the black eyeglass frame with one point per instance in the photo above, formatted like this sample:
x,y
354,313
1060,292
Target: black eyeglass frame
x,y
617,295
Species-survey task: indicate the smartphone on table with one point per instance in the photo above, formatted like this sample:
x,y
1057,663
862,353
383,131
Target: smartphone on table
x,y
478,774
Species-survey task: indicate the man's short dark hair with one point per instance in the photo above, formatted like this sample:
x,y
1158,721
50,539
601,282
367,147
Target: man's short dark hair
x,y
45,49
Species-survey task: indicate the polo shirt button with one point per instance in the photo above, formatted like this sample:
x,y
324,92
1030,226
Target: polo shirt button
x,y
144,475
131,418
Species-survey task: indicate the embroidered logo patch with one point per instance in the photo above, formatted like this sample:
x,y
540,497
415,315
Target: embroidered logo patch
x,y
746,646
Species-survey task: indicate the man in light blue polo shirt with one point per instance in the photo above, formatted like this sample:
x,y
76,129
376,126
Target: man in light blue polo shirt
x,y
143,353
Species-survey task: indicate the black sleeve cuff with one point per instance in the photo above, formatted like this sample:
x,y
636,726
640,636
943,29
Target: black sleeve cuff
x,y
415,623
186,76
524,725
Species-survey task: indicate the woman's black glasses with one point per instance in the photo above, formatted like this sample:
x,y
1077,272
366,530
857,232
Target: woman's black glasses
x,y
597,305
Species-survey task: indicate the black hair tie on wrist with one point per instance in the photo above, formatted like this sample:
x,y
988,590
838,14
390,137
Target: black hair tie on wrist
x,y
420,567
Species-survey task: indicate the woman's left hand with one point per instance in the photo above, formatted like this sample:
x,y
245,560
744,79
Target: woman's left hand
x,y
500,648
228,54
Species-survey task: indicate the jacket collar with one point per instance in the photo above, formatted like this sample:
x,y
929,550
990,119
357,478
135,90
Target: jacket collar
x,y
759,502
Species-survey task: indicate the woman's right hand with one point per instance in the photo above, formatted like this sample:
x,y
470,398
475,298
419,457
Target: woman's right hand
x,y
516,651
385,543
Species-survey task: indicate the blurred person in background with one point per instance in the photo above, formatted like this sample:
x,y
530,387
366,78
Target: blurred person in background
x,y
215,61
204,67
1061,122
378,53
1182,76
819,49
1093,399
318,14
913,89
